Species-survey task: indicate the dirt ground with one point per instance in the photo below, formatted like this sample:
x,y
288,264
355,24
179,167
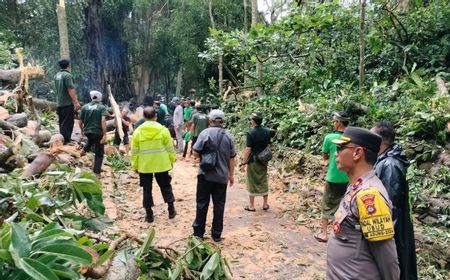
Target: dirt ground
x,y
258,245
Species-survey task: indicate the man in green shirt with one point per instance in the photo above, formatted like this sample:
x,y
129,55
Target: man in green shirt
x,y
66,99
336,180
200,122
93,125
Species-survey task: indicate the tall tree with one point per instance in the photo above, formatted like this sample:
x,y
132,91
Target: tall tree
x,y
362,42
62,27
259,65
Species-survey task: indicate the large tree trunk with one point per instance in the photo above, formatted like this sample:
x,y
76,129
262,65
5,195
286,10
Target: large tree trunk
x,y
107,51
62,27
362,43
95,50
179,81
259,65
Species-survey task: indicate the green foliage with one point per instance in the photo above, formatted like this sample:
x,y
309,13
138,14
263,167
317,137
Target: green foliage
x,y
49,253
118,162
54,195
199,261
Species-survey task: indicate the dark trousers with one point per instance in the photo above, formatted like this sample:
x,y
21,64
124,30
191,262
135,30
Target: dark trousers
x,y
66,115
218,192
99,150
163,179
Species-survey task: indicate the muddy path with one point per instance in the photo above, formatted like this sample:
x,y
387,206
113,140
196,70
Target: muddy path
x,y
259,245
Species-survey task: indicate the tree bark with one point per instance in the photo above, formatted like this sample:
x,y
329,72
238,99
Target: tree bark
x,y
13,75
362,43
259,65
179,81
62,27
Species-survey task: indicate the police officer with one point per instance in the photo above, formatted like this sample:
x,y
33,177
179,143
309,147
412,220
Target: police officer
x,y
362,245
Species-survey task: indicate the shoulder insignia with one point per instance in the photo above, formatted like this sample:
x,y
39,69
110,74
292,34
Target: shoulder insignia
x,y
374,215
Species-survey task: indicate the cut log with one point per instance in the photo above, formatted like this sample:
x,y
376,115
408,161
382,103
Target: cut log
x,y
13,76
100,271
44,105
18,120
39,165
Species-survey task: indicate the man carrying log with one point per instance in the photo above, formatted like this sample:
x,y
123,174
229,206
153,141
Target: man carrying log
x,y
66,99
93,125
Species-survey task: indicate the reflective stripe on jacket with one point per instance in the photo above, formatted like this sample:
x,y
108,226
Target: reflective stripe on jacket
x,y
152,148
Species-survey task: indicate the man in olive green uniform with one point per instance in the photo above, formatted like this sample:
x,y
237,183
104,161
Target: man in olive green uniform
x,y
152,154
362,245
66,99
336,180
200,122
93,125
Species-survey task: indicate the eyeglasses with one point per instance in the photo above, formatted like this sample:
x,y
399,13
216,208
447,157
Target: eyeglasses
x,y
340,148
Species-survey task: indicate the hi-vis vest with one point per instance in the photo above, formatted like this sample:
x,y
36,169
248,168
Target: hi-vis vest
x,y
375,218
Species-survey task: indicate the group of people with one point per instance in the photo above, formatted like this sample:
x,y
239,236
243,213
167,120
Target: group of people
x,y
153,150
367,197
366,194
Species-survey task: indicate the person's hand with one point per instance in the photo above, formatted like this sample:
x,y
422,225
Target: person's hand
x,y
103,140
231,179
77,106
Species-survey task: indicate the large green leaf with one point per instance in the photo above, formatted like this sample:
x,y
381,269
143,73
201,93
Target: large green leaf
x,y
67,252
65,272
37,270
210,267
147,244
95,203
5,256
20,243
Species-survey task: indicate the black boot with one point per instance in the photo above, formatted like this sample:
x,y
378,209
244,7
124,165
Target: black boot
x,y
149,215
171,209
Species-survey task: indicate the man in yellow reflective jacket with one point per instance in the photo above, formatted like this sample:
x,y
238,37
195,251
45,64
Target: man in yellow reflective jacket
x,y
152,153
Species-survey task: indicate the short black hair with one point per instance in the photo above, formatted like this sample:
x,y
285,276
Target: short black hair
x,y
149,113
258,121
371,156
386,130
192,103
64,63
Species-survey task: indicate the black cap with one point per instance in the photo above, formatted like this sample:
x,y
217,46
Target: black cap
x,y
361,137
256,116
341,116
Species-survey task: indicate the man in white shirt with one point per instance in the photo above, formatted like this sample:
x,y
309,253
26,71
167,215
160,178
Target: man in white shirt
x,y
178,123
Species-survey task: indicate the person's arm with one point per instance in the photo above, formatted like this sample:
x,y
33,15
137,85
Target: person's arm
x,y
135,151
73,96
231,176
246,155
103,141
385,256
248,150
168,144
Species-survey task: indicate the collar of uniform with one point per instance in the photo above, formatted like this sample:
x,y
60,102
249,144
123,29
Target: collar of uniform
x,y
366,176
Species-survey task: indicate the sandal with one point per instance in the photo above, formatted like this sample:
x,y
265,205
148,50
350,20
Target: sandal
x,y
247,208
266,208
320,239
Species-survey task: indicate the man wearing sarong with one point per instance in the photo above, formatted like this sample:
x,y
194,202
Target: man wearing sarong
x,y
258,138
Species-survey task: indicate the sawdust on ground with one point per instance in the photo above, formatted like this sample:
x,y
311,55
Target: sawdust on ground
x,y
258,245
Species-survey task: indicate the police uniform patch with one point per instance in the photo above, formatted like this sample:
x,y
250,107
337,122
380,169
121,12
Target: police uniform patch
x,y
369,204
375,216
